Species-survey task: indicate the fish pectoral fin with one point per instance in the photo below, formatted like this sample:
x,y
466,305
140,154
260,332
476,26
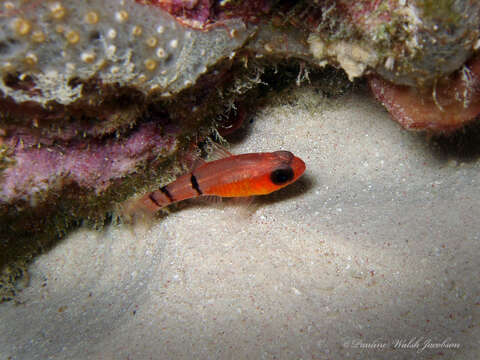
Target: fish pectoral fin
x,y
244,201
213,199
245,206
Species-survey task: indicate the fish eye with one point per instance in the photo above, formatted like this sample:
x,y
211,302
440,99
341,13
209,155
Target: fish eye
x,y
281,176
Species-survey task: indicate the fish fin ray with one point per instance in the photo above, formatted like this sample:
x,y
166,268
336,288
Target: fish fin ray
x,y
217,151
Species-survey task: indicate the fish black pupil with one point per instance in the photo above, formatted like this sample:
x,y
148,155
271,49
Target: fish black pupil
x,y
281,176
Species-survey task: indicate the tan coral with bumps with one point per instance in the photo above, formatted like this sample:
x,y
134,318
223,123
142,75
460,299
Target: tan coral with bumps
x,y
103,40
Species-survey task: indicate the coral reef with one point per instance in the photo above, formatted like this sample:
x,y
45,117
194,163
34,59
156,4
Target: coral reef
x,y
87,163
101,99
74,73
418,41
206,14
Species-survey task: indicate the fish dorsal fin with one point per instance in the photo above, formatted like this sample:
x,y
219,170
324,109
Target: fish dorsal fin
x,y
217,152
214,150
197,161
192,159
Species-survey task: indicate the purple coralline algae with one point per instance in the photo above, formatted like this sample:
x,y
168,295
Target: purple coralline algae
x,y
88,163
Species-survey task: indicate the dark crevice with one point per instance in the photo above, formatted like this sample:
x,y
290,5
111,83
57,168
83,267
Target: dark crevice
x,y
463,144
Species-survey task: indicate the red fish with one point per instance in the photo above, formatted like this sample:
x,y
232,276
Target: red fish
x,y
233,176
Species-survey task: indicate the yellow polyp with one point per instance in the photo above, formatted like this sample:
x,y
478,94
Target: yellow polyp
x,y
31,59
150,64
112,34
137,30
72,37
22,26
91,18
88,57
58,11
38,36
161,53
152,41
121,16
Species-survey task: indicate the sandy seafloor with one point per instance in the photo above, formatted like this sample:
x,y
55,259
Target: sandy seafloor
x,y
373,254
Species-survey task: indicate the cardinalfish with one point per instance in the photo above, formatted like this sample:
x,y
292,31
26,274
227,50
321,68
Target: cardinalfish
x,y
233,176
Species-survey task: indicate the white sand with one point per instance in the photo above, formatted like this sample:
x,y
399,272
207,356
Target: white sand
x,y
375,246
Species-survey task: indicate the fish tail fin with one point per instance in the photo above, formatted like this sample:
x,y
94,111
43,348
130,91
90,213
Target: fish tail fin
x,y
138,209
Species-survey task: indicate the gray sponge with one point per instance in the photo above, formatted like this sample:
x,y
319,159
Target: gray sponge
x,y
56,45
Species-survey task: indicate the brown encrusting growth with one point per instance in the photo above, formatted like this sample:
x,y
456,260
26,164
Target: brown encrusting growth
x,y
448,105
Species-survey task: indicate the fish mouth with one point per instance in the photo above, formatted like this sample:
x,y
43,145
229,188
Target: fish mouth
x,y
298,166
